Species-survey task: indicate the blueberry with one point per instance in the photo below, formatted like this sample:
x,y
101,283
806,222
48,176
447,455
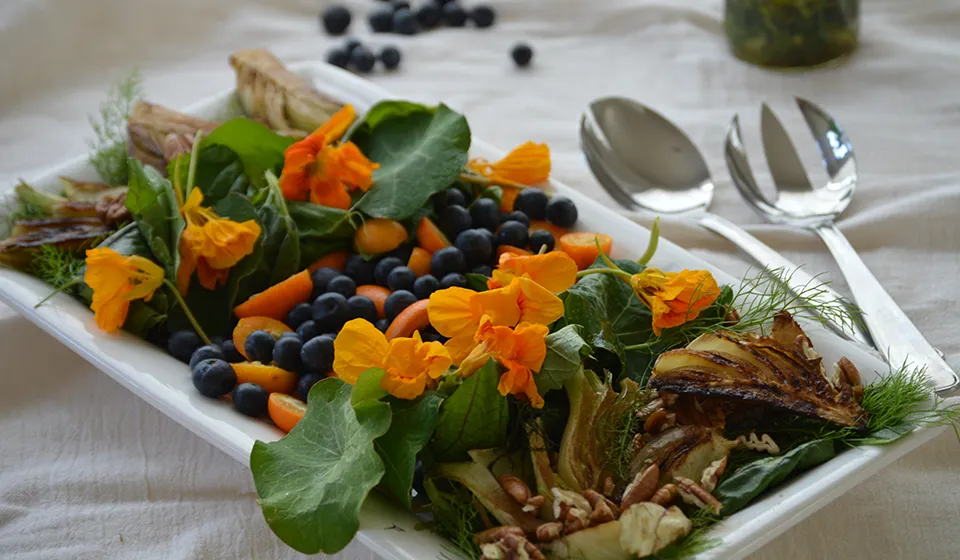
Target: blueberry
x,y
521,54
381,19
384,267
428,15
450,197
397,302
338,57
359,269
401,278
216,340
317,354
343,285
362,60
259,347
516,216
182,345
330,311
541,239
454,15
230,352
331,335
453,219
453,279
300,314
383,324
482,16
208,352
475,246
214,378
390,57
425,285
308,330
492,237
306,383
532,202
336,19
447,260
404,22
432,337
250,399
362,307
561,211
513,233
485,213
402,252
351,44
483,270
398,5
286,353
289,334
321,277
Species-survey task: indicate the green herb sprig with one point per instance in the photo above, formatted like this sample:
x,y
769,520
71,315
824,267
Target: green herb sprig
x,y
109,145
56,266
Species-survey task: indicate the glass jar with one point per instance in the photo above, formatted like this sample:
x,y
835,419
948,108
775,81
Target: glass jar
x,y
792,33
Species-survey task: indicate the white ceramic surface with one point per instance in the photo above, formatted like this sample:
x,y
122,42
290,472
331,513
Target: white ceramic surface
x,y
165,383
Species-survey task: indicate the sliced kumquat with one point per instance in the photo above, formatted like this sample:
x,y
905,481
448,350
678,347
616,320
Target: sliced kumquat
x,y
249,324
271,378
582,246
413,318
508,198
419,261
378,236
335,260
285,411
429,236
277,300
377,294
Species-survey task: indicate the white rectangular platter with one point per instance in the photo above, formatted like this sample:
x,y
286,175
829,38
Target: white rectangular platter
x,y
165,383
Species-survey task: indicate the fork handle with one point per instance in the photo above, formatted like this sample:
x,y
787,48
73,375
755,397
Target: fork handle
x,y
798,281
896,337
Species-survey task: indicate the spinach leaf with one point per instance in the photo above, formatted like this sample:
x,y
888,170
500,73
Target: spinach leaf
x,y
219,173
312,482
477,282
420,150
259,148
748,482
367,387
322,229
385,110
611,316
214,308
475,416
410,431
566,350
280,242
153,205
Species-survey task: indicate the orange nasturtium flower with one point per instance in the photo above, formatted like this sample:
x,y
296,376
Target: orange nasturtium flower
x,y
527,164
457,312
555,271
117,280
317,169
674,297
520,350
410,365
211,245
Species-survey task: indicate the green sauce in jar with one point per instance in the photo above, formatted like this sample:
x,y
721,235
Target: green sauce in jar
x,y
792,33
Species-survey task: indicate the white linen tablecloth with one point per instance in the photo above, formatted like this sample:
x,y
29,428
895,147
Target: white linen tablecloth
x,y
89,471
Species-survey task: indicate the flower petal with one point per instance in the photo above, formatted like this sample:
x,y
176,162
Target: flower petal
x,y
451,313
537,304
358,347
555,270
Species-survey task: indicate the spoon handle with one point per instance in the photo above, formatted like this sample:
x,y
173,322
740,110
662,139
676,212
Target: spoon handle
x,y
796,279
897,338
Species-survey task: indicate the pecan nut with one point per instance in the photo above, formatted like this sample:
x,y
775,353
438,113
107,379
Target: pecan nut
x,y
654,423
665,495
112,209
517,488
550,531
694,494
496,534
711,475
642,488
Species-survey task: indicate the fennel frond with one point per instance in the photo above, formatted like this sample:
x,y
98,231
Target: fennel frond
x,y
109,145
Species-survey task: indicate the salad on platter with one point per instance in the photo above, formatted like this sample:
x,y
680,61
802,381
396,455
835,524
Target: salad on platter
x,y
441,330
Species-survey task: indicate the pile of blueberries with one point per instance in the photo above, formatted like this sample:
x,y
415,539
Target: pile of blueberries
x,y
397,16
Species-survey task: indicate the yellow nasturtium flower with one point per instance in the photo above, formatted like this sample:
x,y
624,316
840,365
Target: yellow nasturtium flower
x,y
527,164
520,350
674,297
555,270
117,280
410,365
456,313
211,245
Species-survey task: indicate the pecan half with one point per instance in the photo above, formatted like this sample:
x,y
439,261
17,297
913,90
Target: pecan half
x,y
496,534
517,488
711,475
112,209
665,495
602,512
642,488
694,494
654,423
550,531
597,499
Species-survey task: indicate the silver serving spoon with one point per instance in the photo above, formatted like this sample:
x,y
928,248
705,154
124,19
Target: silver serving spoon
x,y
646,163
798,203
